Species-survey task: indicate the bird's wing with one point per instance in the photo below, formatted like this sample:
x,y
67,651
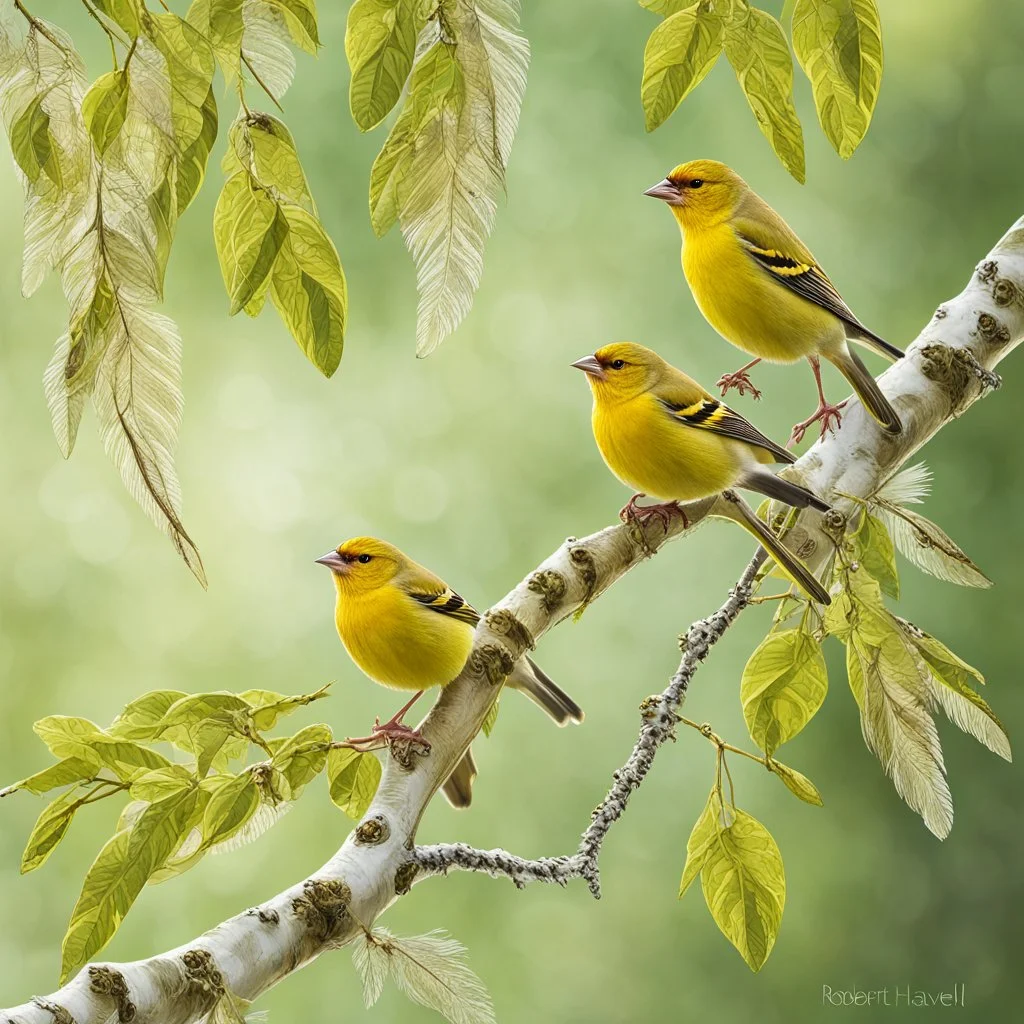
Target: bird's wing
x,y
773,246
435,594
710,414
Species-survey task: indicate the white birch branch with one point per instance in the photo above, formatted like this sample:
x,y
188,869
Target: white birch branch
x,y
946,370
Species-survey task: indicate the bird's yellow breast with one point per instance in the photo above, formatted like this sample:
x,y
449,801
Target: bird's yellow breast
x,y
650,452
400,643
746,305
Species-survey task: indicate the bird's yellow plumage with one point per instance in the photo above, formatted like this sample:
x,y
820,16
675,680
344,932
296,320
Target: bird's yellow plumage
x,y
760,287
662,434
407,629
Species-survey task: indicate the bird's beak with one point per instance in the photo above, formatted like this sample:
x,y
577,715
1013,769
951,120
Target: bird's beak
x,y
667,191
590,366
334,562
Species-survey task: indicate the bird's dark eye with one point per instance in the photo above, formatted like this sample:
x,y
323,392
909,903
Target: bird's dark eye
x,y
618,364
364,558
696,183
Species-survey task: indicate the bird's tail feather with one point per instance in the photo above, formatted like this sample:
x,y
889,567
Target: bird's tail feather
x,y
732,506
876,344
866,387
765,482
528,678
458,787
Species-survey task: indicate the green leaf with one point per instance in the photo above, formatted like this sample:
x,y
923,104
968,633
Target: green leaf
x,y
124,13
783,686
190,66
954,691
117,876
929,548
192,163
309,290
757,49
666,8
380,41
233,802
105,108
265,148
162,782
704,833
141,718
353,777
190,710
873,548
50,828
679,53
300,17
249,229
302,757
893,688
436,85
839,45
33,144
223,22
858,606
69,769
270,706
799,785
491,718
78,737
745,887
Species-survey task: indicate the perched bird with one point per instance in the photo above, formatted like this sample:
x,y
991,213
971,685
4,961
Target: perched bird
x,y
662,434
407,629
759,286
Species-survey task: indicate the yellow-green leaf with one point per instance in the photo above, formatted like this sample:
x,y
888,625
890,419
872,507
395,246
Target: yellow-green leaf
x,y
140,719
745,887
839,45
380,41
223,22
124,13
105,107
49,829
757,49
233,801
33,144
265,147
665,7
302,757
270,706
249,229
308,288
704,832
679,53
69,769
783,686
873,549
953,690
162,782
799,785
192,163
353,778
117,876
300,17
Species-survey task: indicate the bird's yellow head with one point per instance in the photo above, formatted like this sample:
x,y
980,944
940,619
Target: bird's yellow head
x,y
363,564
700,193
619,372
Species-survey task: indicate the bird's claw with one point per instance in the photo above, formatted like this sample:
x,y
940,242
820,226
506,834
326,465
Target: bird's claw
x,y
631,512
740,380
828,414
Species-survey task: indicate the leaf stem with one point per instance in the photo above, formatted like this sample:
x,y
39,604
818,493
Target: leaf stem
x,y
39,26
111,37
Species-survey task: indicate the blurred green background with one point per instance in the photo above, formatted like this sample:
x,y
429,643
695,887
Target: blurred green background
x,y
479,462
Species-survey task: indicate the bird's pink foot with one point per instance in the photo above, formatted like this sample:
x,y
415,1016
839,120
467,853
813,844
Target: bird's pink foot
x,y
740,380
393,730
828,414
631,512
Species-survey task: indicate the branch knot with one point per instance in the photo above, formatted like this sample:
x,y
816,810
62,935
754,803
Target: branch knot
x,y
105,981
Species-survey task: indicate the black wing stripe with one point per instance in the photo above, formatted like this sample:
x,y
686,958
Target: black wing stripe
x,y
452,605
727,423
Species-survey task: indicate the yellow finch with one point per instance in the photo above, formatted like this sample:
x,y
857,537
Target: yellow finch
x,y
759,286
662,434
407,629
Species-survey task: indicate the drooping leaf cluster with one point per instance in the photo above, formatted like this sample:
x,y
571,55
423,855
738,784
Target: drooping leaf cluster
x,y
202,794
462,65
900,677
838,43
108,169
